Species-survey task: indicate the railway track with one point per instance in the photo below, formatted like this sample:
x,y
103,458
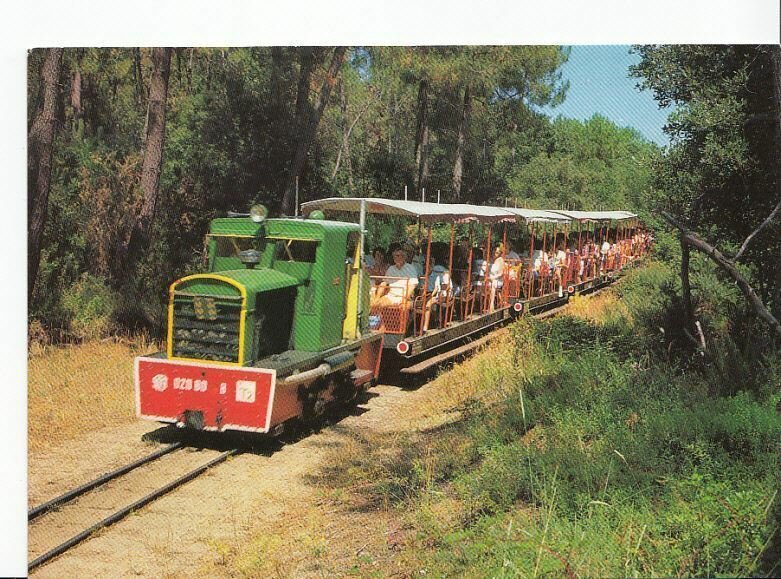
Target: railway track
x,y
58,525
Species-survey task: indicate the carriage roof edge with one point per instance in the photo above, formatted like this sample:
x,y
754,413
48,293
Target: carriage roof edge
x,y
595,215
434,212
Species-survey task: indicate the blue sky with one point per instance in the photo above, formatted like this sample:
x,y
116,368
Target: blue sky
x,y
599,83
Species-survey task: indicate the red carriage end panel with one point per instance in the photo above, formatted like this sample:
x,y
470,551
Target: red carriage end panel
x,y
208,396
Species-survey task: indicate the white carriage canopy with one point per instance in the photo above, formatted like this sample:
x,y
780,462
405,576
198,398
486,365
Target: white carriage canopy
x,y
596,215
434,212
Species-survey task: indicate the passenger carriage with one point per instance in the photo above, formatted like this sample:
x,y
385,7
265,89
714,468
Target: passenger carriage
x,y
475,302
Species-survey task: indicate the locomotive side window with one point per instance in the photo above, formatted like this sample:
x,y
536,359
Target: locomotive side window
x,y
296,250
228,246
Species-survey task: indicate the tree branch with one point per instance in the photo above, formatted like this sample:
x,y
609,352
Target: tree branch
x,y
347,137
727,266
762,225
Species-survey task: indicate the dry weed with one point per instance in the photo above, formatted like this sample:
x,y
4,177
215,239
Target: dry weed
x,y
79,388
598,308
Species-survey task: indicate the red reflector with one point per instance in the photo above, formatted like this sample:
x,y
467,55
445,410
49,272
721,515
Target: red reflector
x,y
571,289
402,347
518,306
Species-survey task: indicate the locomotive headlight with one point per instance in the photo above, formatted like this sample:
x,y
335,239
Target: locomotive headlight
x,y
258,213
250,257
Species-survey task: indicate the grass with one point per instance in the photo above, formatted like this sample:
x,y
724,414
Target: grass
x,y
588,444
80,388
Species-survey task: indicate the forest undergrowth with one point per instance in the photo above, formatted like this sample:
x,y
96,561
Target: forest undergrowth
x,y
597,443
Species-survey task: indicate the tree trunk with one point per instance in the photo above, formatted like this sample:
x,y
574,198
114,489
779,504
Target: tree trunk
x,y
40,144
308,133
306,57
344,149
729,267
775,60
76,95
190,71
688,315
139,76
458,166
421,137
276,76
137,237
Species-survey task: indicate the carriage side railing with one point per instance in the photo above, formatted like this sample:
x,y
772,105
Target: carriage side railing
x,y
390,303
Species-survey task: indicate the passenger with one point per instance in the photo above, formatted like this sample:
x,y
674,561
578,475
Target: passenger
x,y
496,275
539,259
615,254
603,253
511,253
559,264
438,288
399,290
418,259
478,266
380,264
580,265
461,260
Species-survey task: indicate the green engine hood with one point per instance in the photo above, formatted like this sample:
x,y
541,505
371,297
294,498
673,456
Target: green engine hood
x,y
235,283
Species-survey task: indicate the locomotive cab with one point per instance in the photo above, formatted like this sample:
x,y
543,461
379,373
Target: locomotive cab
x,y
280,298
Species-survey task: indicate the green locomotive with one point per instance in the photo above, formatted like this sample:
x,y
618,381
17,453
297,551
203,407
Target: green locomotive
x,y
274,330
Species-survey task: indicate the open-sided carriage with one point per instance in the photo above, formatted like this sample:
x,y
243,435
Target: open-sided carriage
x,y
462,244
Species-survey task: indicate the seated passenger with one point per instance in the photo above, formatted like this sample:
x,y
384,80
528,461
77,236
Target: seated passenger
x,y
393,292
478,266
603,252
438,289
559,263
416,258
539,259
496,274
380,265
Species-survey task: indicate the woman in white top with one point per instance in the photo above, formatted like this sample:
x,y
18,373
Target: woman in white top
x,y
394,292
496,274
603,251
560,262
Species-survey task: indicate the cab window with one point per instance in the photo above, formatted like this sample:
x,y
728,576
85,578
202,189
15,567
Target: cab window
x,y
233,246
296,250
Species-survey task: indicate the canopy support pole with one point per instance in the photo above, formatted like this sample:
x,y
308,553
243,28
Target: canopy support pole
x,y
466,301
580,249
451,288
424,313
504,260
486,256
531,263
362,240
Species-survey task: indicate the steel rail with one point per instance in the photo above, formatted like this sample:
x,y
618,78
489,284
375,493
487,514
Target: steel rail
x,y
41,509
123,512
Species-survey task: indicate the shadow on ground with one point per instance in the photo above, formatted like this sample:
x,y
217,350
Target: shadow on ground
x,y
254,443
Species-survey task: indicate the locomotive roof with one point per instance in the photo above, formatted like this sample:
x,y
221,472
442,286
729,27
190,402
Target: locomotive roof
x,y
432,212
245,226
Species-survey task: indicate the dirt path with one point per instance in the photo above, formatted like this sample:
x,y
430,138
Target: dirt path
x,y
205,527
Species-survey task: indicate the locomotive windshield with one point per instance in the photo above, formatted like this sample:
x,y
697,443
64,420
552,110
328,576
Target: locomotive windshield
x,y
231,246
225,250
300,250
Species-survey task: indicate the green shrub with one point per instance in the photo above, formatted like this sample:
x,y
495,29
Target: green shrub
x,y
90,306
610,453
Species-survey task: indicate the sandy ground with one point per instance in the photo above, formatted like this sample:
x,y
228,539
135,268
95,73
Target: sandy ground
x,y
198,529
